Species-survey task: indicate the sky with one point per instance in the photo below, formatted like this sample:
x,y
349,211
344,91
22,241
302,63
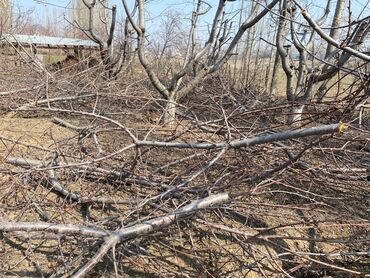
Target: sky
x,y
56,10
59,9
62,8
160,5
156,8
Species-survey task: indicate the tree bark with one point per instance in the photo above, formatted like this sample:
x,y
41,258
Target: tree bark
x,y
295,116
337,20
170,111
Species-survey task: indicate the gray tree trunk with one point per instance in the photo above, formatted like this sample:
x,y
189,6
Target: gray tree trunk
x,y
334,33
169,115
295,116
337,20
273,86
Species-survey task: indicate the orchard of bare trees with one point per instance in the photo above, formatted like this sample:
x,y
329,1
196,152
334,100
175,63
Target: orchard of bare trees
x,y
197,138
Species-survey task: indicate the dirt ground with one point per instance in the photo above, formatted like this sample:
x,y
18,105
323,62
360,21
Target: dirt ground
x,y
301,221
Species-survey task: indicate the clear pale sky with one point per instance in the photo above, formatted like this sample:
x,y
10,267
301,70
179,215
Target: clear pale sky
x,y
161,5
57,9
155,9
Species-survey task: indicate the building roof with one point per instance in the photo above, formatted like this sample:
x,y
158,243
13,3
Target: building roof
x,y
47,41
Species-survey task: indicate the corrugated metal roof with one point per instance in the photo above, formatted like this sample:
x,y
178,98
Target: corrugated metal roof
x,y
49,41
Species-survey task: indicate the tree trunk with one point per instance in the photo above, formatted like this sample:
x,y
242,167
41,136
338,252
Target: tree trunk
x,y
334,33
276,68
337,20
246,59
169,115
295,116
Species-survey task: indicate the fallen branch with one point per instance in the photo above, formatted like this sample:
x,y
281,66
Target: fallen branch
x,y
258,140
115,237
85,169
65,124
7,226
150,226
48,101
59,188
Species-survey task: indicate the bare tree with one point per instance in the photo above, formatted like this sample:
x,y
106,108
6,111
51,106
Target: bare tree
x,y
206,61
307,77
112,59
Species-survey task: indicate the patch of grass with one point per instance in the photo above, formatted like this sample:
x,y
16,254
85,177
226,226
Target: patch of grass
x,y
51,59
